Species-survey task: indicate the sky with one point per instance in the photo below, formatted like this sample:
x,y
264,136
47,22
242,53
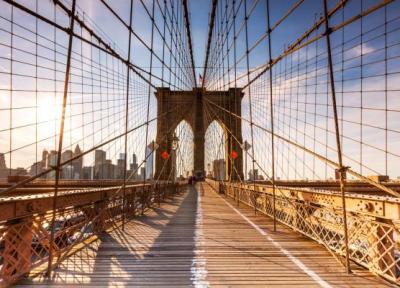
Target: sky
x,y
199,16
97,97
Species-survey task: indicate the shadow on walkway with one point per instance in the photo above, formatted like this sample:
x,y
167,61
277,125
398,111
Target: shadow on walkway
x,y
156,249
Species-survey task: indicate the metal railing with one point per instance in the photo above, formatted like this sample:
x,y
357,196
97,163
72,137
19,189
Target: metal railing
x,y
25,232
373,230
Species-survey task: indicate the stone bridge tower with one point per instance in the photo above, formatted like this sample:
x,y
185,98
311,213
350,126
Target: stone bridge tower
x,y
199,108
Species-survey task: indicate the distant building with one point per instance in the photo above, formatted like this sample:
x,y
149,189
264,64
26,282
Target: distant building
x,y
121,166
99,157
77,163
150,160
219,169
88,173
17,174
5,173
253,174
72,170
122,156
66,155
3,161
109,170
52,162
133,169
40,166
45,155
36,168
67,171
99,161
52,159
142,173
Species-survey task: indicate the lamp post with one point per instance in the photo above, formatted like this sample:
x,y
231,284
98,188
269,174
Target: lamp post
x,y
175,142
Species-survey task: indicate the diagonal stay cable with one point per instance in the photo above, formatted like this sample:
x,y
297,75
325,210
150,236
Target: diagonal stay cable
x,y
319,156
30,179
288,200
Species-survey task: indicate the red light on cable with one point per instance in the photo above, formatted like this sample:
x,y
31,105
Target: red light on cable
x,y
165,155
234,155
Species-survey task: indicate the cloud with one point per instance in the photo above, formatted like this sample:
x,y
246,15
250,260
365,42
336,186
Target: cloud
x,y
359,50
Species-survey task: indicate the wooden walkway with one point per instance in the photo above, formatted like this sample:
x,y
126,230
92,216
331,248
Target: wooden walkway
x,y
202,239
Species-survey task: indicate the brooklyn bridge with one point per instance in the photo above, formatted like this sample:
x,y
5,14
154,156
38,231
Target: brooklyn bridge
x,y
200,143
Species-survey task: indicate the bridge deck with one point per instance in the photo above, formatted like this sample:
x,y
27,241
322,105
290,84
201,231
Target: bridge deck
x,y
204,240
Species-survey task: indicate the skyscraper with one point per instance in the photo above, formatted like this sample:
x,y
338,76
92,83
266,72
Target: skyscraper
x,y
121,166
2,161
66,155
41,165
99,160
77,163
99,157
3,167
67,170
87,173
150,159
133,167
52,162
109,170
36,168
45,156
142,173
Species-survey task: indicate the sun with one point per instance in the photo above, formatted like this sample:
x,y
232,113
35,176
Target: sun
x,y
48,111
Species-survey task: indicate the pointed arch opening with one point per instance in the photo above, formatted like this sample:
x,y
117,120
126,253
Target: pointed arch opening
x,y
184,156
215,151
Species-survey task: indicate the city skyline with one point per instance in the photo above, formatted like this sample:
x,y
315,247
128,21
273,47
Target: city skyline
x,y
102,167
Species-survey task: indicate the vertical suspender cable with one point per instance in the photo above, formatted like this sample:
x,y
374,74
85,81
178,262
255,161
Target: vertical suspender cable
x,y
235,80
148,95
126,117
250,103
60,143
342,169
271,114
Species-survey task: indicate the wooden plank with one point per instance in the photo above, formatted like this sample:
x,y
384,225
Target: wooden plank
x,y
200,240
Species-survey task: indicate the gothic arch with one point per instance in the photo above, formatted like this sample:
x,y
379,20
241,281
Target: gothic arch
x,y
184,155
175,106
